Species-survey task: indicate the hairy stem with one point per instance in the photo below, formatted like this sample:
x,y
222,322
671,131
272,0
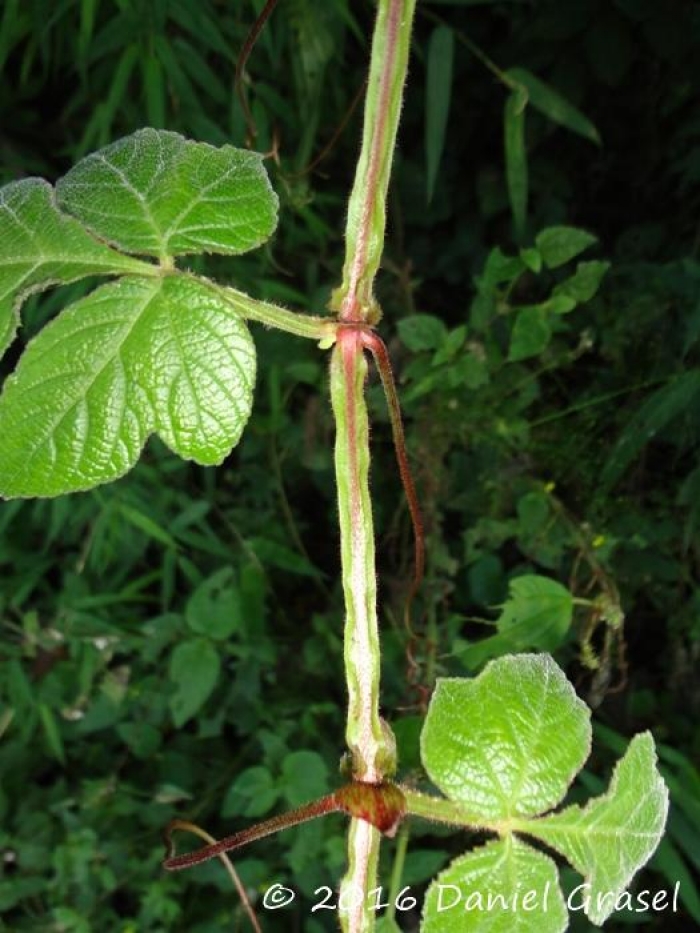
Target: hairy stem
x,y
364,232
172,862
252,309
371,744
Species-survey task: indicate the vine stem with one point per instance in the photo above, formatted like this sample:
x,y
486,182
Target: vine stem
x,y
370,741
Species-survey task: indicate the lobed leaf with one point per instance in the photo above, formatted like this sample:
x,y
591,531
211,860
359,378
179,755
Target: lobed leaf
x,y
40,247
509,742
504,886
157,193
136,357
610,838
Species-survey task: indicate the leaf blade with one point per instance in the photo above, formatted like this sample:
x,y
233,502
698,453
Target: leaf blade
x,y
488,744
516,159
508,871
615,834
438,95
159,194
554,105
194,670
135,357
40,247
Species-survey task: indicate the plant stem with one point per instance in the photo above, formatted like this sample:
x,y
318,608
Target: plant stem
x,y
364,232
365,736
252,309
371,744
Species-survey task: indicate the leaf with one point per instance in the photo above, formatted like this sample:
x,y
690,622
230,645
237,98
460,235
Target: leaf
x,y
499,269
560,244
214,608
438,94
538,614
194,670
585,282
678,396
553,105
147,525
135,357
668,861
252,793
157,193
422,332
304,777
531,333
516,159
40,247
52,732
509,741
504,886
609,839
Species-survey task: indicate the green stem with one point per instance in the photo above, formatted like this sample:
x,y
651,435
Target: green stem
x,y
397,871
365,736
364,232
371,744
441,810
301,325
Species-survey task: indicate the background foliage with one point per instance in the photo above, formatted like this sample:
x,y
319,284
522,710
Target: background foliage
x,y
171,644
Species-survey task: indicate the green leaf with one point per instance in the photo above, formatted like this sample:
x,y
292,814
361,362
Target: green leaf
x,y
40,247
678,396
610,838
136,357
304,777
516,159
553,105
560,244
531,333
214,608
584,283
438,93
532,259
253,793
157,193
508,742
147,525
504,886
52,732
194,670
538,614
499,269
422,332
141,737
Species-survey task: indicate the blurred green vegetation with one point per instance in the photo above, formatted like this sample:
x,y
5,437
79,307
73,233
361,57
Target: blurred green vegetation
x,y
171,644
